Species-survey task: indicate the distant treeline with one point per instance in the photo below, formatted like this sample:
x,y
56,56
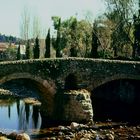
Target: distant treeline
x,y
10,39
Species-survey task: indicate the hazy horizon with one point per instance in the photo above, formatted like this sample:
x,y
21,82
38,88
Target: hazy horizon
x,y
10,12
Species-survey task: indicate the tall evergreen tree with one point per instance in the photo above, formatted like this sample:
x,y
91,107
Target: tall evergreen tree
x,y
74,45
95,44
28,50
36,49
58,39
48,45
18,52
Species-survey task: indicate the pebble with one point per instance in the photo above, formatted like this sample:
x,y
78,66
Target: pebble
x,y
121,127
88,136
93,132
52,138
138,137
97,137
109,136
69,133
12,135
111,132
60,133
74,125
3,138
22,136
62,128
67,138
84,139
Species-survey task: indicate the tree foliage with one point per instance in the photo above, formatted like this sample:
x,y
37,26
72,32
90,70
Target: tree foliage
x,y
48,45
120,15
36,49
18,52
28,50
95,42
57,42
74,37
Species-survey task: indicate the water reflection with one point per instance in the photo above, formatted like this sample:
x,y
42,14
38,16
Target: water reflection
x,y
19,116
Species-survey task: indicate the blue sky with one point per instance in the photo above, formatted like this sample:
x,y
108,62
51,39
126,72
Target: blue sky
x,y
10,11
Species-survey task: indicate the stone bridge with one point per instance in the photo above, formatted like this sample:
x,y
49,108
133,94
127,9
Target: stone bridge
x,y
52,75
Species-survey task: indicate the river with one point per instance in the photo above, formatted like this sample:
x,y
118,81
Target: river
x,y
24,115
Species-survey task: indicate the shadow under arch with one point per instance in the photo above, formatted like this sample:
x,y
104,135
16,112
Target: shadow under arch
x,y
117,99
113,78
71,82
47,89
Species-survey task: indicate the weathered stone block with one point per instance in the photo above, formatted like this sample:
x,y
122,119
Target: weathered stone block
x,y
78,107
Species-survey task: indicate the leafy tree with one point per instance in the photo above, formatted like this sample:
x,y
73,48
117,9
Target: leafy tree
x,y
57,42
36,49
74,45
119,13
48,45
75,37
18,52
28,50
56,22
136,33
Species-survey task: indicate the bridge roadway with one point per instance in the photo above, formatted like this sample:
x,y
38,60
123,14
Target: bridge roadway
x,y
49,75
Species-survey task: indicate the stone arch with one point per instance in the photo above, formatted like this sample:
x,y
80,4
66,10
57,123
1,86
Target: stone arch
x,y
47,88
112,78
116,98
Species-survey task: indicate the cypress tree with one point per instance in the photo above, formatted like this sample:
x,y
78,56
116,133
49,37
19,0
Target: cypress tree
x,y
28,50
36,49
48,45
58,53
73,50
95,42
18,52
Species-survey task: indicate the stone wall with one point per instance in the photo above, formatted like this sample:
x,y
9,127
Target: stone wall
x,y
50,77
74,105
78,108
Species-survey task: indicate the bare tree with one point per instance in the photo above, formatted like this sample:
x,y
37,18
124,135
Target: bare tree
x,y
25,24
36,28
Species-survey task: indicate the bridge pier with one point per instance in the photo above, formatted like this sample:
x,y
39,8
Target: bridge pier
x,y
74,106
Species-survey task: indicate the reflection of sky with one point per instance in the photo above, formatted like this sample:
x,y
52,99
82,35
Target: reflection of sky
x,y
17,122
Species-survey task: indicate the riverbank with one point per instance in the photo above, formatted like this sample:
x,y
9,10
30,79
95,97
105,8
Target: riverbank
x,y
98,131
75,131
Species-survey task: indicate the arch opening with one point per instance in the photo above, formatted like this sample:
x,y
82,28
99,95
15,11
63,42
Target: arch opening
x,y
41,90
117,100
22,87
71,82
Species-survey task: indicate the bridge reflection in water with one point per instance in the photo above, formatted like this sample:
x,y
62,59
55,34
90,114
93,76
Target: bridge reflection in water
x,y
17,115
